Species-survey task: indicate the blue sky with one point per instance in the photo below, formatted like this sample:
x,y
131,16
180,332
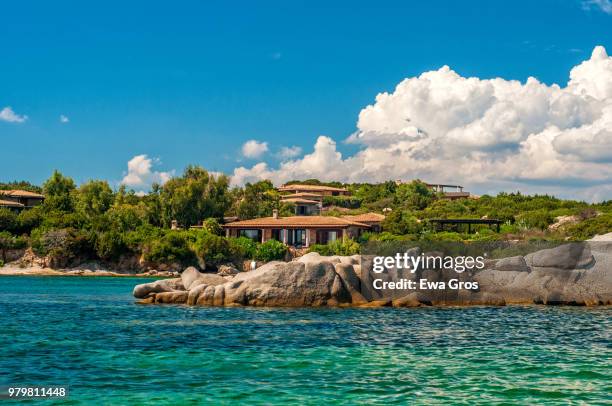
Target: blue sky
x,y
190,82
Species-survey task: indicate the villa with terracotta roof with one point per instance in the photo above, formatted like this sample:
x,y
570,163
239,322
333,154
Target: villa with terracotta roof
x,y
308,199
20,199
306,204
374,220
297,231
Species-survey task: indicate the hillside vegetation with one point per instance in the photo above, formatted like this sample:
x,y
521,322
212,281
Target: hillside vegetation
x,y
93,221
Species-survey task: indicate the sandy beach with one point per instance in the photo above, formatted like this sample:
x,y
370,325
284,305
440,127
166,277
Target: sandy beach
x,y
12,270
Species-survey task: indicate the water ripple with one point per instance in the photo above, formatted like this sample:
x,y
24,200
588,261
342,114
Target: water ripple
x,y
88,333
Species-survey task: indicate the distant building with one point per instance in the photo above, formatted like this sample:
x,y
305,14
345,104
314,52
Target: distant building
x,y
374,220
296,231
455,192
451,192
314,189
8,204
308,199
20,199
303,207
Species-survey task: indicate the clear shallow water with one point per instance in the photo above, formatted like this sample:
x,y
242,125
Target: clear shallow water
x,y
89,334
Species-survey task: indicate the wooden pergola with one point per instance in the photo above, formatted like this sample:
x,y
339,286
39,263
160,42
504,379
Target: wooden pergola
x,y
439,224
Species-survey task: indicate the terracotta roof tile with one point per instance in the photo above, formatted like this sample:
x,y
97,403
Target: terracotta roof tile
x,y
8,203
297,221
302,201
300,194
366,218
21,193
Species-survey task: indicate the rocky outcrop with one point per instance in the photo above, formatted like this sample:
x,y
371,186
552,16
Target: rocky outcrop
x,y
516,263
315,282
573,273
164,285
191,278
277,284
568,256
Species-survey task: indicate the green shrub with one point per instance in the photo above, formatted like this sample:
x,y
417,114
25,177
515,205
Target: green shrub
x,y
126,217
56,219
345,247
242,247
11,242
415,195
589,228
539,219
135,240
509,229
29,219
386,236
212,248
347,202
171,247
401,222
212,226
270,250
443,236
109,245
366,236
8,220
338,247
485,234
61,245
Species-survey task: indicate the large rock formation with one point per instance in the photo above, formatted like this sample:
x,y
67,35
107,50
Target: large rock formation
x,y
573,273
164,285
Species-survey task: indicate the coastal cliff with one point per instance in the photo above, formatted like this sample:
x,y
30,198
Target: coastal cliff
x,y
572,274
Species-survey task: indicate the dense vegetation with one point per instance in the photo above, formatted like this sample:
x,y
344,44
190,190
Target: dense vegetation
x,y
525,217
93,221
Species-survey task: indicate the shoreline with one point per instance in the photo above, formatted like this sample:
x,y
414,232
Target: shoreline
x,y
8,270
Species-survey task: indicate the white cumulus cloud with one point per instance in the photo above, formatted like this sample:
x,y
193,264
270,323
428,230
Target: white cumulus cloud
x,y
289,152
140,174
254,149
488,134
7,114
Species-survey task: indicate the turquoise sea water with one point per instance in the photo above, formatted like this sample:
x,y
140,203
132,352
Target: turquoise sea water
x,y
89,334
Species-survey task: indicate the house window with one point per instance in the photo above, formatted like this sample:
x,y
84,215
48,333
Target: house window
x,y
301,210
296,237
276,234
254,235
327,236
300,238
